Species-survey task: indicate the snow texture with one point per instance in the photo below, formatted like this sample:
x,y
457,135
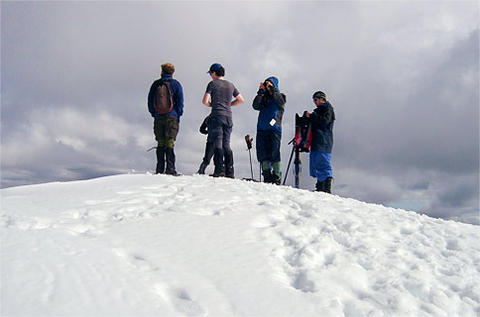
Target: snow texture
x,y
156,245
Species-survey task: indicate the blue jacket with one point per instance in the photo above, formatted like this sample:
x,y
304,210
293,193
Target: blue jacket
x,y
271,105
177,92
322,119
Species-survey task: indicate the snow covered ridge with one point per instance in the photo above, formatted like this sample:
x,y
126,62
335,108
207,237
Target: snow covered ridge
x,y
156,245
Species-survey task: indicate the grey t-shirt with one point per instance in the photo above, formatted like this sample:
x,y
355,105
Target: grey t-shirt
x,y
222,91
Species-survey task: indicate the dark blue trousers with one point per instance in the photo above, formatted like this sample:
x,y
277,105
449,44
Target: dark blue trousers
x,y
268,145
219,131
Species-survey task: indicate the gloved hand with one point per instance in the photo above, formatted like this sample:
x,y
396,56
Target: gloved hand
x,y
204,126
269,87
203,129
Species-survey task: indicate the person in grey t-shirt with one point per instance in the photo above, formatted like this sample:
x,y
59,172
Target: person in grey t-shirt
x,y
218,96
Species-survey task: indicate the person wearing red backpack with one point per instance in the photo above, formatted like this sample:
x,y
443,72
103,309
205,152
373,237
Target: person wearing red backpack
x,y
165,104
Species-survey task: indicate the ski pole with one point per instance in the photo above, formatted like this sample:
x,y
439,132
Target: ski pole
x,y
298,168
251,168
249,140
289,161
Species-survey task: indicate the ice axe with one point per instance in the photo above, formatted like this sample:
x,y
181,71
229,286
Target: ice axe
x,y
249,140
290,160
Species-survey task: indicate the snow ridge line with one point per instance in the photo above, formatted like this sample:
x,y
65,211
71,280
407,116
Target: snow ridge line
x,y
351,257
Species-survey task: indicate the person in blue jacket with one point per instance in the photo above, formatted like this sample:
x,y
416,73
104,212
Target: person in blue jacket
x,y
271,104
165,126
321,120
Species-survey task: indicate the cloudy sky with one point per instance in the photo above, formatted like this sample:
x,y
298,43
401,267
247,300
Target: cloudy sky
x,y
403,78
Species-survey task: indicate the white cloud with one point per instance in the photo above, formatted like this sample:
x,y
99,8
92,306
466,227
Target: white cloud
x,y
397,74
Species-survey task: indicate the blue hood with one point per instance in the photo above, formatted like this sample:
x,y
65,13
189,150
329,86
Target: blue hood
x,y
274,81
269,107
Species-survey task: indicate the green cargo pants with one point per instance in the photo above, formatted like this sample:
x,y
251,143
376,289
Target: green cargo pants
x,y
165,130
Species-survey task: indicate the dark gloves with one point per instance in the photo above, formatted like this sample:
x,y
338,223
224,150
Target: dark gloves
x,y
204,126
271,89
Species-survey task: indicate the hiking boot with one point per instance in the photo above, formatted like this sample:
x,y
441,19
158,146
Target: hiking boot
x,y
277,180
201,169
170,156
219,174
228,163
327,187
160,169
267,176
219,171
319,186
229,172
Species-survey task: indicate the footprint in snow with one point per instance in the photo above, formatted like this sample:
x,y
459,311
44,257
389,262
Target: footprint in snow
x,y
180,299
136,259
86,231
453,245
303,282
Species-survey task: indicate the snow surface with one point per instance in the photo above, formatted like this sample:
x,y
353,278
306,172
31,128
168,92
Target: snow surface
x,y
156,245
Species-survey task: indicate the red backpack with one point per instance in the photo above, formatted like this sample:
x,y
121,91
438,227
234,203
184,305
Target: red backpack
x,y
163,99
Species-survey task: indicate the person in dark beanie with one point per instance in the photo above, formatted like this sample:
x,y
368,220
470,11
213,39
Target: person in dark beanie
x,y
271,104
218,96
321,119
165,104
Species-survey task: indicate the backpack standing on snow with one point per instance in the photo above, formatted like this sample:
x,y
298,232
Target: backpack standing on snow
x,y
271,104
165,104
209,148
321,120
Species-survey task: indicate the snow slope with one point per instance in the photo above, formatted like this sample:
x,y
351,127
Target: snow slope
x,y
156,245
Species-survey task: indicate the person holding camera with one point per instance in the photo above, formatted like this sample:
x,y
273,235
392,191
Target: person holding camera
x,y
321,120
271,104
218,96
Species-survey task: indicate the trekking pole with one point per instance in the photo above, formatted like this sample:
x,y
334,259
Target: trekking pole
x,y
249,140
289,161
153,147
298,168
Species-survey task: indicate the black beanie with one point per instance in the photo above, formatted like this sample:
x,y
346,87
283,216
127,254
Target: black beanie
x,y
320,94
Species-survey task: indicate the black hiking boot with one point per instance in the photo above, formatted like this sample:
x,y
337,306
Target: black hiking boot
x,y
267,176
219,171
276,179
160,169
228,161
219,174
327,187
170,156
319,186
201,169
229,172
219,163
